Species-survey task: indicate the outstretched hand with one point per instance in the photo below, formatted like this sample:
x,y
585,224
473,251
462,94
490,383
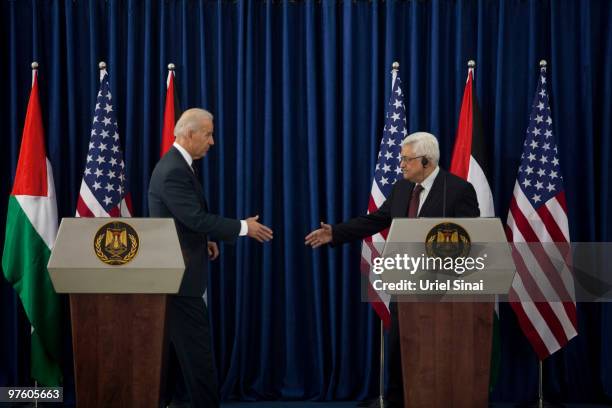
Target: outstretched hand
x,y
258,231
319,236
213,250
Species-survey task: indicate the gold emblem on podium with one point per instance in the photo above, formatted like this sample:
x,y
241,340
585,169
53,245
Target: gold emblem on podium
x,y
116,243
447,240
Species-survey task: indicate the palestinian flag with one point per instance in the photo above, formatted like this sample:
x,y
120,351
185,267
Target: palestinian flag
x,y
470,162
470,159
172,112
31,227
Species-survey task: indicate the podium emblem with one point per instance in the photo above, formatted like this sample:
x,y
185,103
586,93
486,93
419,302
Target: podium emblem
x,y
116,243
447,239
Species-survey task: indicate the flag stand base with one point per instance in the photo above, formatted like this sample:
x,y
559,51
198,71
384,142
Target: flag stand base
x,y
541,404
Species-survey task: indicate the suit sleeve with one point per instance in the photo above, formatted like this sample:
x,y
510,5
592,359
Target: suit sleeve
x,y
363,225
467,203
185,205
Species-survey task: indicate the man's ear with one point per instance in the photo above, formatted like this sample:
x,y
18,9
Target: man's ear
x,y
189,135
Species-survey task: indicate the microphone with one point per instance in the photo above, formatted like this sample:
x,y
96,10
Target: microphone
x,y
444,198
122,194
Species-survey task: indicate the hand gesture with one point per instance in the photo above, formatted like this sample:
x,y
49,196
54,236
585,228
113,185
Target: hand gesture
x,y
320,236
258,231
213,250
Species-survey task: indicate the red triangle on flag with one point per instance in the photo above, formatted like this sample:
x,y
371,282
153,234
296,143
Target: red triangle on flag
x,y
31,173
169,117
460,164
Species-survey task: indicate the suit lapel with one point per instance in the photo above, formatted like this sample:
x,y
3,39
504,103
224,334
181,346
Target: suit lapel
x,y
432,203
404,200
198,185
199,188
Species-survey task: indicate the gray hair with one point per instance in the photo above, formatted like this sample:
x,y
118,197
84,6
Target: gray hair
x,y
424,144
189,121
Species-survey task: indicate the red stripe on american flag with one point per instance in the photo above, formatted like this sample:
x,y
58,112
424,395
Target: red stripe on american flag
x,y
379,307
384,233
562,201
547,267
128,202
551,224
83,209
372,205
530,332
520,220
570,309
534,292
115,212
509,235
547,314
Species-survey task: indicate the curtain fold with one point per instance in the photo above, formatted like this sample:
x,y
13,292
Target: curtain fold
x,y
298,90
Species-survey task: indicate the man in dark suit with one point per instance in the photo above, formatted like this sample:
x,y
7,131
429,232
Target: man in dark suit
x,y
175,192
426,190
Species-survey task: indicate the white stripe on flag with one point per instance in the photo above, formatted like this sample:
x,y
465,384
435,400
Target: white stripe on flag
x,y
377,195
564,319
542,233
560,216
42,211
479,180
125,211
91,202
534,270
536,318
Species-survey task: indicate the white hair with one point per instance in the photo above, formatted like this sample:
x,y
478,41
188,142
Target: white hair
x,y
189,121
424,144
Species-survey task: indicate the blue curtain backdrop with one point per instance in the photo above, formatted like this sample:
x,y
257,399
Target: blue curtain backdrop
x,y
298,90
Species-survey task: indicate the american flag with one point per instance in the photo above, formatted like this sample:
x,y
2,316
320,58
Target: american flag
x,y
538,215
104,185
386,173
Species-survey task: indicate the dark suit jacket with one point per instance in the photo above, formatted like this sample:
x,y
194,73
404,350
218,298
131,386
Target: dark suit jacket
x,y
175,192
460,199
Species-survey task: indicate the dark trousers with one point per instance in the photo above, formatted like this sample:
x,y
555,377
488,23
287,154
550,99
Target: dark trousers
x,y
395,390
189,336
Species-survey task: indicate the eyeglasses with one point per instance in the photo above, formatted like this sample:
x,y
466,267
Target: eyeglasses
x,y
406,159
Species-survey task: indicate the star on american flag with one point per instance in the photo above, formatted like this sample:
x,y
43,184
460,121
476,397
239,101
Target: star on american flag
x,y
386,173
387,168
104,184
542,292
539,174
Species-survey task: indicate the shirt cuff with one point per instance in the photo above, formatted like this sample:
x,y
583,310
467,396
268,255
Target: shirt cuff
x,y
244,228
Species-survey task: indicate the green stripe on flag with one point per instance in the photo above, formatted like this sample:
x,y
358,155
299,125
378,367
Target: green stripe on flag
x,y
24,262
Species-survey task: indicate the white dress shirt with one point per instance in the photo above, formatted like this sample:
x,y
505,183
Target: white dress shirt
x,y
427,184
244,227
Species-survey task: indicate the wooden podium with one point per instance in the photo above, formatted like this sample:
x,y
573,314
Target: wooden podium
x,y
446,353
118,273
445,338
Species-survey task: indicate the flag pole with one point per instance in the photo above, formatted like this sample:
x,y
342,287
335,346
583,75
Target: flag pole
x,y
34,66
381,378
540,365
102,67
171,68
541,402
471,65
380,401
